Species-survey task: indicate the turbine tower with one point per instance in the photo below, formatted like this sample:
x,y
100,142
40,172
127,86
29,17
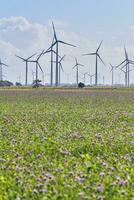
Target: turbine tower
x,y
26,60
56,43
96,65
1,70
77,70
112,70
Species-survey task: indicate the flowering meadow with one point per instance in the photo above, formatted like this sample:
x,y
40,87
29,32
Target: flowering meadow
x,y
64,144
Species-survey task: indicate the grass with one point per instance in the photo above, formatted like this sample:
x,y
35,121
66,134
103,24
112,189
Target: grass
x,y
66,144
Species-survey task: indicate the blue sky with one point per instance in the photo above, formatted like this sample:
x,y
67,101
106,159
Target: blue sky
x,y
84,22
80,14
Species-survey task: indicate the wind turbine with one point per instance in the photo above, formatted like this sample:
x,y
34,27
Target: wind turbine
x,y
112,70
125,72
1,70
91,76
96,65
84,77
57,42
37,65
60,67
50,50
126,63
26,60
77,70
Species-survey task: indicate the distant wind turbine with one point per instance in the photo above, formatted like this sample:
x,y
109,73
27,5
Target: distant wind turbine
x,y
37,65
112,70
91,76
77,70
84,77
1,70
60,67
96,65
26,60
57,42
126,64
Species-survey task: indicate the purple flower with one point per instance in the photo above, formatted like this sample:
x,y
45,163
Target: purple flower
x,y
38,179
100,188
102,174
42,191
105,165
79,179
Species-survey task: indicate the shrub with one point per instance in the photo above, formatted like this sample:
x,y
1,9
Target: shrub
x,y
81,85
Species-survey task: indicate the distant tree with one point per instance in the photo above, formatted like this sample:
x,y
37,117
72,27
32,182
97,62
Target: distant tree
x,y
18,84
5,83
81,85
36,83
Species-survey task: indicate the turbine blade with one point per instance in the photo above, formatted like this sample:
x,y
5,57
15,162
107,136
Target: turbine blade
x,y
89,54
4,64
40,67
124,65
131,62
122,70
121,63
99,46
20,57
126,54
52,41
74,66
61,67
66,43
62,58
53,45
76,60
48,50
101,59
112,67
40,55
80,65
31,56
55,36
56,53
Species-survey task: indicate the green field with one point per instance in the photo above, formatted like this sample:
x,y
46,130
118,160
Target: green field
x,y
67,144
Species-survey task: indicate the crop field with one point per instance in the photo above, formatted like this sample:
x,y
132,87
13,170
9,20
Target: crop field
x,y
67,144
